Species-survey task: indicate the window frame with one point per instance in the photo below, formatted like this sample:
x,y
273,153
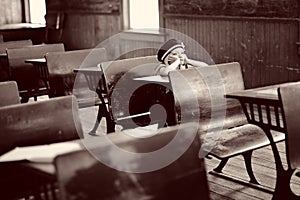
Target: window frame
x,y
127,20
26,15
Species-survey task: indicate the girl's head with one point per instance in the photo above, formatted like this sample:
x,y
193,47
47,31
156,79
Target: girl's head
x,y
170,51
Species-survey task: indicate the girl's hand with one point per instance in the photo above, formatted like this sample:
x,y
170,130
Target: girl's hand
x,y
174,65
172,59
176,62
185,59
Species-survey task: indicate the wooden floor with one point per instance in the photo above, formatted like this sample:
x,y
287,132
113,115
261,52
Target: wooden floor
x,y
231,185
264,169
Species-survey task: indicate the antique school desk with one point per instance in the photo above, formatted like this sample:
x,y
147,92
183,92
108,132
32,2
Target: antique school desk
x,y
263,107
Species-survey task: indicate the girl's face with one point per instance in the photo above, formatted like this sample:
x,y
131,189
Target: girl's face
x,y
177,53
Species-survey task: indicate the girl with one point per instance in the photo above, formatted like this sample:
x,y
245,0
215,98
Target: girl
x,y
172,57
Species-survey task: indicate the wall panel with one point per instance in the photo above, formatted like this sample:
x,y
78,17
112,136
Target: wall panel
x,y
261,8
265,47
87,22
142,44
88,30
10,12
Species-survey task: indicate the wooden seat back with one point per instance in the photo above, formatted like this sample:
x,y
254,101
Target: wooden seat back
x,y
4,69
289,96
126,69
203,84
17,56
64,63
9,94
14,44
25,74
61,66
80,174
114,70
38,123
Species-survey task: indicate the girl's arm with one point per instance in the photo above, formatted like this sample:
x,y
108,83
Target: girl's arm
x,y
196,63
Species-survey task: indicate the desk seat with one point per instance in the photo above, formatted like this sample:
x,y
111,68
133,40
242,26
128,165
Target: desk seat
x,y
199,95
29,81
22,129
30,171
238,140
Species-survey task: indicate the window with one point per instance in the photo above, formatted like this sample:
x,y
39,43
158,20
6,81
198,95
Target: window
x,y
37,11
143,14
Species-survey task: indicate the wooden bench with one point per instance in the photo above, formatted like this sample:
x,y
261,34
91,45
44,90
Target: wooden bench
x,y
9,94
26,125
14,44
289,98
29,82
39,123
62,79
81,174
112,72
4,70
199,96
121,71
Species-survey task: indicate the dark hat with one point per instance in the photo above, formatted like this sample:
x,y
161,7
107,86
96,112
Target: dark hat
x,y
166,48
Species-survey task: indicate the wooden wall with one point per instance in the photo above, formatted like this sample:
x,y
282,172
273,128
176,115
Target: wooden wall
x,y
87,22
253,8
10,11
135,44
261,35
12,14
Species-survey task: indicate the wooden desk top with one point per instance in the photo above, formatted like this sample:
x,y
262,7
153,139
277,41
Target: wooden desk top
x,y
36,60
260,94
155,79
40,157
266,93
88,69
40,153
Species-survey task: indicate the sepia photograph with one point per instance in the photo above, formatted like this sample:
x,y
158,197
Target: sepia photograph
x,y
149,99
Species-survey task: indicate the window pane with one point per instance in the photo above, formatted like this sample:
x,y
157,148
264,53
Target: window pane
x,y
37,11
144,14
